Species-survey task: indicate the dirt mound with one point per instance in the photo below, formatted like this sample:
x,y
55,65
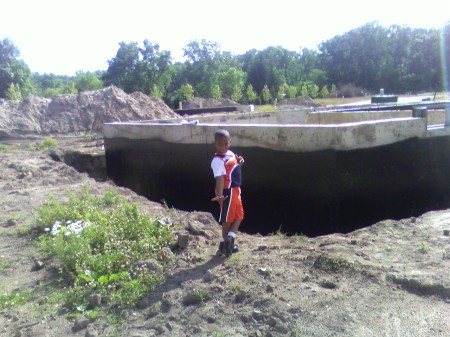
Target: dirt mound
x,y
85,112
300,101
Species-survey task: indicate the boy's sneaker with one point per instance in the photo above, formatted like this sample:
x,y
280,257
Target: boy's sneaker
x,y
228,246
221,250
235,249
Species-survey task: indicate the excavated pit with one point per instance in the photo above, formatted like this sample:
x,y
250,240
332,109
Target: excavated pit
x,y
93,164
318,193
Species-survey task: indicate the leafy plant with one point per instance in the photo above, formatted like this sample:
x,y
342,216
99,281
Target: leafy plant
x,y
49,142
424,247
98,241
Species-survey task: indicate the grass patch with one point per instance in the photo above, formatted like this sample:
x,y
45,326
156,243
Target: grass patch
x,y
4,264
48,143
4,147
98,242
265,108
234,258
237,289
334,264
87,137
340,100
15,299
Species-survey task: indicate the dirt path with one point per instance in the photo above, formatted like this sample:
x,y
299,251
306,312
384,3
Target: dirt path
x,y
390,279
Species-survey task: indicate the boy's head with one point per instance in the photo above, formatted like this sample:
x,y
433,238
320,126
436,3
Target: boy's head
x,y
222,141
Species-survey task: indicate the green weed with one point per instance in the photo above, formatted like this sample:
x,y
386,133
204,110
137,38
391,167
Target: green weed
x,y
234,258
87,137
203,295
331,264
4,264
48,143
98,241
265,108
4,147
237,289
280,233
13,300
299,237
424,247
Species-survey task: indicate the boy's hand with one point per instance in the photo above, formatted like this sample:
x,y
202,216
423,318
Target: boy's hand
x,y
241,160
219,198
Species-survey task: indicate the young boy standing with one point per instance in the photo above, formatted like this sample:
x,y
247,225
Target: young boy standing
x,y
226,167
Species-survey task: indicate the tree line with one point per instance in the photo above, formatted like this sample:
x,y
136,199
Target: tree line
x,y
397,58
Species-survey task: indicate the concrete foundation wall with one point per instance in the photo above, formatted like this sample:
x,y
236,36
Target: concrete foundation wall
x,y
274,117
281,137
434,116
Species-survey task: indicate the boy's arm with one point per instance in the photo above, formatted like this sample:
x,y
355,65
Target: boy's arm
x,y
219,189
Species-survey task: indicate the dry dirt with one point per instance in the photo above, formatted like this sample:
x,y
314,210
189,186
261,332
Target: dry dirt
x,y
77,114
389,279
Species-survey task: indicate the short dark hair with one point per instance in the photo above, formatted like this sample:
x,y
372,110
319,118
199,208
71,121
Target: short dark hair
x,y
222,134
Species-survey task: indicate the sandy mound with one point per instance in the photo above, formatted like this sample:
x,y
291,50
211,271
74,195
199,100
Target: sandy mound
x,y
85,112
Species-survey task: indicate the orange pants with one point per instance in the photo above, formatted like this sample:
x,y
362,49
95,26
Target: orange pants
x,y
231,208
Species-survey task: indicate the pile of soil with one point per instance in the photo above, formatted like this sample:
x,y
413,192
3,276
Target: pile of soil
x,y
389,279
71,114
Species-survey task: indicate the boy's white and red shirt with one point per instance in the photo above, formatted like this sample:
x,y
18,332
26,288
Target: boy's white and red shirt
x,y
227,165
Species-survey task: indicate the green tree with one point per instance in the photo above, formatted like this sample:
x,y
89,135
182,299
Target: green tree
x,y
272,66
87,81
333,91
137,69
51,84
13,71
265,94
231,82
202,65
237,93
292,91
281,93
185,93
216,92
13,93
314,91
318,76
156,92
304,90
324,91
251,94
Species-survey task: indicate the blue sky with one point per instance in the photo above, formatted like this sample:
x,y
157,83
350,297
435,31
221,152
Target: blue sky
x,y
62,37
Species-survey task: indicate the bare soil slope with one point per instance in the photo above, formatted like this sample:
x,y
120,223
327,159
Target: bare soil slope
x,y
390,279
75,114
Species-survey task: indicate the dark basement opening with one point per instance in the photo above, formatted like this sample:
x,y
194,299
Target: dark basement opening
x,y
319,192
